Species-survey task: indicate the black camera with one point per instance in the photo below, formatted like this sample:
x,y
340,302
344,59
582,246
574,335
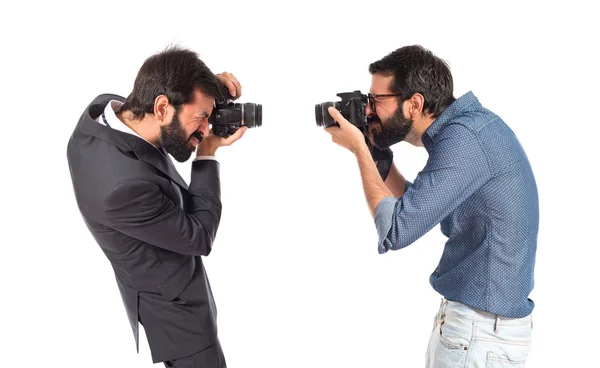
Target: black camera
x,y
227,117
352,107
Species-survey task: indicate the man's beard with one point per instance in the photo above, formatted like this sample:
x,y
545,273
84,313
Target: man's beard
x,y
392,131
175,142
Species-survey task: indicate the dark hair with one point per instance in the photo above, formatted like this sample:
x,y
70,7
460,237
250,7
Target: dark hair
x,y
417,70
175,73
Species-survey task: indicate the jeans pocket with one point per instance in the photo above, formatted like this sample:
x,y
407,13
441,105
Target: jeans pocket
x,y
455,336
448,346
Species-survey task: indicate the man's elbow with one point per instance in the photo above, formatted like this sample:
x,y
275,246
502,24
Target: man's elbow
x,y
205,234
396,243
201,246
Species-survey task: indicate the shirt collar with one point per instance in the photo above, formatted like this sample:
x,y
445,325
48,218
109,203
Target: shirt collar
x,y
113,121
451,111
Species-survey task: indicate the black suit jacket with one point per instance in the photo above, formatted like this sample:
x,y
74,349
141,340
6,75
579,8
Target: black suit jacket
x,y
128,194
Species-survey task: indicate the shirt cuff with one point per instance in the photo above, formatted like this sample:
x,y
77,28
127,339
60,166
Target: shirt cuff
x,y
205,158
384,213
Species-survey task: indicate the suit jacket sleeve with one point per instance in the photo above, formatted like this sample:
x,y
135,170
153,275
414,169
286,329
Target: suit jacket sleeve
x,y
141,210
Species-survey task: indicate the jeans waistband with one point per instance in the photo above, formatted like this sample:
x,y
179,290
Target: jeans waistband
x,y
451,309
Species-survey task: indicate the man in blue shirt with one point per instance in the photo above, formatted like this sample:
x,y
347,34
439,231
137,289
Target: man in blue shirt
x,y
477,184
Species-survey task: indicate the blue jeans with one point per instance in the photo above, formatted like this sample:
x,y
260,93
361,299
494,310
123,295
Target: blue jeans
x,y
466,337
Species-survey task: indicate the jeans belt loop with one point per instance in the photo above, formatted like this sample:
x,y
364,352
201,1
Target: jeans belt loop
x,y
442,312
496,324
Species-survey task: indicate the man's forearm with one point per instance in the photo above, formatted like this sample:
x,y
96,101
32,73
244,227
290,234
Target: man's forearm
x,y
395,182
375,189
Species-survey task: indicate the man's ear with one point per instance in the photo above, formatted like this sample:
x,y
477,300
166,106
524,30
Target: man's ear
x,y
415,105
161,108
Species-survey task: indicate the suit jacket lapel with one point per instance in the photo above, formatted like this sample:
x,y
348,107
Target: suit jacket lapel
x,y
127,142
149,154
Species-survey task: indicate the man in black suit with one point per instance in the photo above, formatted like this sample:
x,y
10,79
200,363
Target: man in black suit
x,y
151,225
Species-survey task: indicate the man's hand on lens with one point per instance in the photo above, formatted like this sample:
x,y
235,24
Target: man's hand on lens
x,y
209,144
346,135
232,84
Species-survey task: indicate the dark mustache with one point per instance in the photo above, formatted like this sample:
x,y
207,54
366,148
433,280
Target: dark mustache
x,y
373,119
197,135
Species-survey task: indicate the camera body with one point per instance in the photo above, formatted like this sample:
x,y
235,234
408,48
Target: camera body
x,y
227,117
352,108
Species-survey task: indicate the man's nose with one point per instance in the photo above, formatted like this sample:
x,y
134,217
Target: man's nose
x,y
368,110
203,129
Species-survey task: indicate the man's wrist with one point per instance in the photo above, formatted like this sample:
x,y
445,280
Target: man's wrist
x,y
206,150
206,153
362,150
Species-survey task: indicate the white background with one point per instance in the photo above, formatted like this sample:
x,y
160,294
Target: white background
x,y
295,270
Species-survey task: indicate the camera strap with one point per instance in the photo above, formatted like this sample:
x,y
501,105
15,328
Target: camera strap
x,y
383,158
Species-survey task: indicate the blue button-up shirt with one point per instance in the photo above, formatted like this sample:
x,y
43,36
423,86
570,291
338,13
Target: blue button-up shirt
x,y
478,185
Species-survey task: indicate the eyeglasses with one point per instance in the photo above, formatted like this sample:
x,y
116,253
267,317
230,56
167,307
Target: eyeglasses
x,y
372,98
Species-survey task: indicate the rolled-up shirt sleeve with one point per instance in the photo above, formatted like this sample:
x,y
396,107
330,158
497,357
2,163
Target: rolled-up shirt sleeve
x,y
384,213
456,168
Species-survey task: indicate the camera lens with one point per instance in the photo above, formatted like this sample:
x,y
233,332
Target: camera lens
x,y
322,115
252,114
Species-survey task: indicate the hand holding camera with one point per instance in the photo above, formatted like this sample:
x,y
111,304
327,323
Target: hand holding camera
x,y
209,145
351,111
229,120
227,117
345,134
231,83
